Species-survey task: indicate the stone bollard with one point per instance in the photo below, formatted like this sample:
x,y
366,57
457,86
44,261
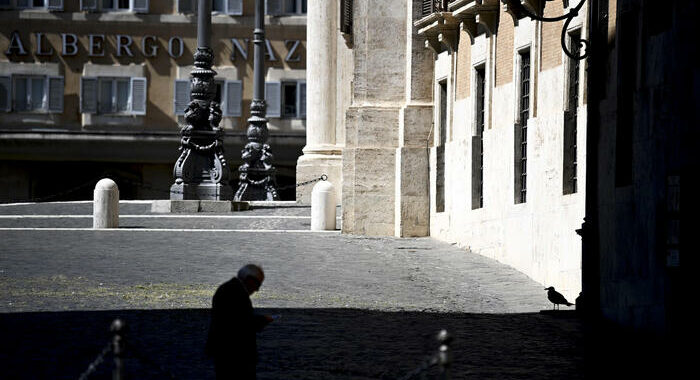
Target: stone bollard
x,y
323,207
105,208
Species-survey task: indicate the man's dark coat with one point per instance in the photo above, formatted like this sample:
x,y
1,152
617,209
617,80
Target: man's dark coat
x,y
231,339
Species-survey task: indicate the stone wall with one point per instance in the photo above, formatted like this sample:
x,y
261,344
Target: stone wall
x,y
536,237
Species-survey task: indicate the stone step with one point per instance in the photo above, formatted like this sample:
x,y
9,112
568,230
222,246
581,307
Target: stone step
x,y
170,221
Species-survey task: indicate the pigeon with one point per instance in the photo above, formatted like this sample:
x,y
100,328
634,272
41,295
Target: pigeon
x,y
556,298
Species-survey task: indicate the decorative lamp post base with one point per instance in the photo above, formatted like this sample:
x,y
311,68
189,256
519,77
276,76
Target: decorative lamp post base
x,y
200,191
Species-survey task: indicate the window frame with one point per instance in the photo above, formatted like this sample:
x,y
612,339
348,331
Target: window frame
x,y
300,8
114,96
299,113
28,97
114,80
524,108
226,11
47,106
99,7
47,5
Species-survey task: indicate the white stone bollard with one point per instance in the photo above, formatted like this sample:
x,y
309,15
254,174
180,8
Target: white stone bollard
x,y
323,207
105,207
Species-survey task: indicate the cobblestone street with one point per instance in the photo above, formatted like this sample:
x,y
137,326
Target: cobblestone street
x,y
352,307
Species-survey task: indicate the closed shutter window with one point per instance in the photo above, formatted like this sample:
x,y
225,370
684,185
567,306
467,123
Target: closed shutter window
x,y
274,7
88,5
185,6
55,5
181,95
88,95
140,6
5,93
272,98
138,96
56,94
233,98
301,99
235,7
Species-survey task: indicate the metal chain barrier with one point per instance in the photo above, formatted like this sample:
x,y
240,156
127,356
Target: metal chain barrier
x,y
90,182
323,177
442,359
145,186
96,363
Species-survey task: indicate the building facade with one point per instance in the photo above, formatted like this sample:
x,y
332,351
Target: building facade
x,y
90,89
469,122
466,122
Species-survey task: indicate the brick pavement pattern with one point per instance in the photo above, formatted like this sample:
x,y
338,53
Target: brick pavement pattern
x,y
352,307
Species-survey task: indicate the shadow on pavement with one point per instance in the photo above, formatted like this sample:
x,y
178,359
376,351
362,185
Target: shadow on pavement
x,y
303,344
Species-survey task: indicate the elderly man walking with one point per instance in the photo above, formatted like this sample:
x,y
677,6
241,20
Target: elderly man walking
x,y
231,342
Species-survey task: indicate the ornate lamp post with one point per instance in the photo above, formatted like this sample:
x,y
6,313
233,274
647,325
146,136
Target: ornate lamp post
x,y
256,181
201,171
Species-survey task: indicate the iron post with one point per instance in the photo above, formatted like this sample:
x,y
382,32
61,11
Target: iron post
x,y
256,180
201,171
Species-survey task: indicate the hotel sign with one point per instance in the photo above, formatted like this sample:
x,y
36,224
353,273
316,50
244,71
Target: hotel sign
x,y
127,46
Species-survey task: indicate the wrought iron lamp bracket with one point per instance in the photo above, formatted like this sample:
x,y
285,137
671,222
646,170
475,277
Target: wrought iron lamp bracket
x,y
573,12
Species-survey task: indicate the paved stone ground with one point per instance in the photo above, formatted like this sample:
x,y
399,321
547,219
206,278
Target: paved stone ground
x,y
352,307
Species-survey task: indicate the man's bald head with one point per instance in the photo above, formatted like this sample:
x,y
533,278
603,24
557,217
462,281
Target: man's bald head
x,y
252,277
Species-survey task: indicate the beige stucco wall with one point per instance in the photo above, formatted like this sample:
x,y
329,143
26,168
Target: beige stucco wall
x,y
164,23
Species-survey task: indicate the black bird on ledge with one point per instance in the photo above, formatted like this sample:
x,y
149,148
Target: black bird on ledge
x,y
556,298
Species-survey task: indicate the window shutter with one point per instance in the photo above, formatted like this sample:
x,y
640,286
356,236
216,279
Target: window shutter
x,y
181,96
139,6
185,6
88,95
346,17
301,99
88,5
56,94
22,3
274,7
55,5
138,96
5,93
234,89
272,98
235,7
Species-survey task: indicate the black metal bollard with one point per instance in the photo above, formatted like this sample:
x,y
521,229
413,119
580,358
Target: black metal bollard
x,y
118,328
444,356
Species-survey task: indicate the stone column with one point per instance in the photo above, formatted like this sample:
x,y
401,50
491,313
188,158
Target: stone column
x,y
322,154
412,211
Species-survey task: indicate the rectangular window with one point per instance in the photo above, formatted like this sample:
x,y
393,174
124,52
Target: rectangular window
x,y
285,7
35,4
289,99
440,149
570,172
520,132
478,141
31,93
229,95
139,6
113,95
230,7
286,99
